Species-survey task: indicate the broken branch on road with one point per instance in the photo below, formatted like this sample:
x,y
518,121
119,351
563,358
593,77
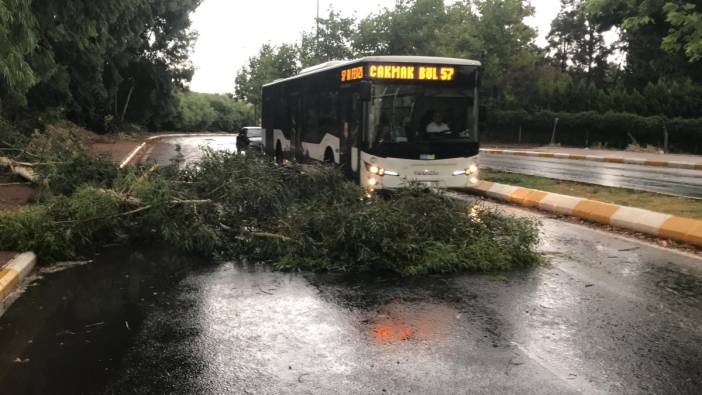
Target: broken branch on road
x,y
298,217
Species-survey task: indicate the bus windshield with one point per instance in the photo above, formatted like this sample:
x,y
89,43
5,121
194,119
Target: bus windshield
x,y
420,113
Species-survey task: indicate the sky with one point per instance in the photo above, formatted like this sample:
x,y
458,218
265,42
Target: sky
x,y
232,31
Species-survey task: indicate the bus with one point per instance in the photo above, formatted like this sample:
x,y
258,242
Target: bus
x,y
385,120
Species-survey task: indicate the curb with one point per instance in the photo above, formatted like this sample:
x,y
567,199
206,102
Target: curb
x,y
595,158
12,275
136,150
681,229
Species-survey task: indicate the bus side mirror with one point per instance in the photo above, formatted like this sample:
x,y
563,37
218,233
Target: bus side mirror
x,y
482,114
365,91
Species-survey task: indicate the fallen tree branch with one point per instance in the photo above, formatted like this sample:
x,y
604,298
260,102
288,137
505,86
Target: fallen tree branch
x,y
130,212
11,184
81,221
272,236
23,170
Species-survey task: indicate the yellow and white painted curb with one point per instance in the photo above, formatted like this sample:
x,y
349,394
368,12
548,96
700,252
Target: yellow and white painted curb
x,y
12,275
138,149
595,158
682,229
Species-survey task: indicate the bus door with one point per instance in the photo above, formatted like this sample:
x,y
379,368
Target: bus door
x,y
295,121
349,130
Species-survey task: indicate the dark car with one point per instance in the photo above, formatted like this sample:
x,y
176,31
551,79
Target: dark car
x,y
250,138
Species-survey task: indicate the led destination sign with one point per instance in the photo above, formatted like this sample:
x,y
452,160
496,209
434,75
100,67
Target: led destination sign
x,y
400,72
418,73
353,74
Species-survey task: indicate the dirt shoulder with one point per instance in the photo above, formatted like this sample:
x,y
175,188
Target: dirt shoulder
x,y
5,257
116,151
13,197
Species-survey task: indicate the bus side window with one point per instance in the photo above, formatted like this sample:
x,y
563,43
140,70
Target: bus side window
x,y
356,118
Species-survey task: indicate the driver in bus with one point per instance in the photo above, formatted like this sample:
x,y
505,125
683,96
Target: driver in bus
x,y
437,125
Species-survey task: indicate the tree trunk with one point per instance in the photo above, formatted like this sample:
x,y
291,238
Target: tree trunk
x,y
126,104
23,170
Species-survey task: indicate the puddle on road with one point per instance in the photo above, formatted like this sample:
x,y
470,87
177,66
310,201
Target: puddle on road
x,y
397,321
73,325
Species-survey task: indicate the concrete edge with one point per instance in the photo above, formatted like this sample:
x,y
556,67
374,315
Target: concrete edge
x,y
12,275
138,149
686,230
595,158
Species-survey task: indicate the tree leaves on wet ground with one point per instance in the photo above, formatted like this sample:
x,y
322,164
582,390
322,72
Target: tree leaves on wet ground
x,y
246,207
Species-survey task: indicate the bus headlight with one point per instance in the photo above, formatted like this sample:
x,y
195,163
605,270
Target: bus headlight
x,y
379,171
472,169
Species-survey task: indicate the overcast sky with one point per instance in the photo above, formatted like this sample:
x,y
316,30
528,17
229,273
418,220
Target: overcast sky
x,y
231,31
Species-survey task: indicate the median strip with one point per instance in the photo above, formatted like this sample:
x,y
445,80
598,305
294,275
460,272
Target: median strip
x,y
596,158
681,229
12,274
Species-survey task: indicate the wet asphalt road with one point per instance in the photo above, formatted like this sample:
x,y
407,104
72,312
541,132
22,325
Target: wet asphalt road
x,y
605,315
669,181
185,149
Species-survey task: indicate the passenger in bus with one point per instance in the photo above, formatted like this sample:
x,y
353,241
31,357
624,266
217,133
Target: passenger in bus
x,y
388,133
437,125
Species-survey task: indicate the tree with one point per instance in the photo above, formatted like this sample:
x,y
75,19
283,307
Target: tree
x,y
576,45
268,65
686,29
18,40
330,41
412,27
372,35
654,47
89,52
509,53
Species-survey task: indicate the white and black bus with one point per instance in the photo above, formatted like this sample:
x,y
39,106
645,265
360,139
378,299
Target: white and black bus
x,y
385,119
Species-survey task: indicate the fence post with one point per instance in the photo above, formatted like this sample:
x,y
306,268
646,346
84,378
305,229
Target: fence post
x,y
519,138
665,138
553,135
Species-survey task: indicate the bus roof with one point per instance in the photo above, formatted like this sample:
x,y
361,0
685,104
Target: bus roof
x,y
380,59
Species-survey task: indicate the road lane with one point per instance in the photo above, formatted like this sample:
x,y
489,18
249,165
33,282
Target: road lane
x,y
669,181
185,149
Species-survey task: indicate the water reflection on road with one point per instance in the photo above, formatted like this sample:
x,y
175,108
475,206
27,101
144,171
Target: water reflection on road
x,y
187,149
145,322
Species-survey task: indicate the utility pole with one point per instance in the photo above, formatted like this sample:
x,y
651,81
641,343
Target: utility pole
x,y
316,39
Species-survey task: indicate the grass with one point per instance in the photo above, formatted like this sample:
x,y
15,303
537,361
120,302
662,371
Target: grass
x,y
685,207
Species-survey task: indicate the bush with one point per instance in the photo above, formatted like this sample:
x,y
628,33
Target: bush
x,y
202,111
585,129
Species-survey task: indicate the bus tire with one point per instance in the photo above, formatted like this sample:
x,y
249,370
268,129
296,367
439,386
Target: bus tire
x,y
278,152
329,156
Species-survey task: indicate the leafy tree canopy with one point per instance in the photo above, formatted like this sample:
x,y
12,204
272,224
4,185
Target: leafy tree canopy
x,y
96,62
